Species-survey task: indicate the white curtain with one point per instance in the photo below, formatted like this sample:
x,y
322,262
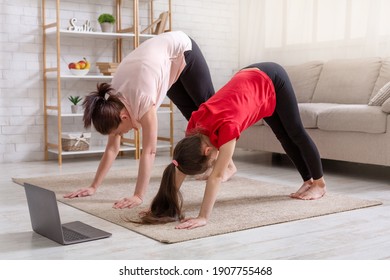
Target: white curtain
x,y
296,31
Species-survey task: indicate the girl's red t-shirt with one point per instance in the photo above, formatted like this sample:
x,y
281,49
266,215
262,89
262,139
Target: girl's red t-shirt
x,y
248,97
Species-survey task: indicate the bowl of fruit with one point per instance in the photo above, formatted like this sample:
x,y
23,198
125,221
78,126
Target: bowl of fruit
x,y
79,68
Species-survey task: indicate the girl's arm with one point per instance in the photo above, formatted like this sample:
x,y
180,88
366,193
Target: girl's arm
x,y
149,143
111,152
212,186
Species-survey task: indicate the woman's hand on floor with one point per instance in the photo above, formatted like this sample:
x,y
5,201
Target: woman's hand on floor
x,y
81,193
128,202
191,223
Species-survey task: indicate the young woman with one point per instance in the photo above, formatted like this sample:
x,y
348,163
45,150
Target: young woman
x,y
170,64
259,91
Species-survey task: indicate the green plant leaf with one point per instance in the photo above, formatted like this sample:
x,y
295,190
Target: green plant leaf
x,y
75,99
106,18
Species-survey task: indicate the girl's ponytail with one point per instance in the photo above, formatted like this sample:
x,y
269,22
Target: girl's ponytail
x,y
188,159
167,204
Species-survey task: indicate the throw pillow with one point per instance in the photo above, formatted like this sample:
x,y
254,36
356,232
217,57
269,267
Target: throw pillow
x,y
386,106
382,95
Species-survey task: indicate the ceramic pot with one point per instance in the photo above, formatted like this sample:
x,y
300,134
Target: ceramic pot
x,y
107,27
75,109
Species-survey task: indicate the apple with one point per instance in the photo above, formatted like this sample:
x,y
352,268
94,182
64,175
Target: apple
x,y
82,64
72,65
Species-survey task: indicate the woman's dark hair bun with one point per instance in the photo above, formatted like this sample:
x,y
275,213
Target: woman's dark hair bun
x,y
103,89
104,115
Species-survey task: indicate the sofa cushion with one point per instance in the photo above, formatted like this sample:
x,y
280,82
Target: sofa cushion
x,y
386,106
260,122
384,76
309,112
382,95
357,118
304,78
347,81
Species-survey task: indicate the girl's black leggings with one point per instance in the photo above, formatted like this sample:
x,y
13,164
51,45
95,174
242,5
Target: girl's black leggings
x,y
286,123
194,85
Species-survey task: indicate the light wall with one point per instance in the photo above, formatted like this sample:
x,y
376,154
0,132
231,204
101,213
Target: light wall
x,y
213,24
231,34
296,31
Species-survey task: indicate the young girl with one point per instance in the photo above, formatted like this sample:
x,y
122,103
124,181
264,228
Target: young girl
x,y
170,64
261,90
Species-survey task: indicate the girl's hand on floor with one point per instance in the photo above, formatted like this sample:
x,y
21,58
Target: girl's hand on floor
x,y
81,193
128,202
191,223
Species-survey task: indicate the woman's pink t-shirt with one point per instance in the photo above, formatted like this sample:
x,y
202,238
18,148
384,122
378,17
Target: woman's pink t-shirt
x,y
145,75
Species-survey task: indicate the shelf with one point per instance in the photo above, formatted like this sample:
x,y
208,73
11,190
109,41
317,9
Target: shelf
x,y
101,149
58,73
71,115
163,112
93,76
64,115
96,34
104,35
92,150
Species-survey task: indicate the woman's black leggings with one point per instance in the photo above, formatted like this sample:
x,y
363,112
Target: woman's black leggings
x,y
194,85
286,123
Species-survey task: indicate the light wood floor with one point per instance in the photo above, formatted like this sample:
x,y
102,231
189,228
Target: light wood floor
x,y
361,234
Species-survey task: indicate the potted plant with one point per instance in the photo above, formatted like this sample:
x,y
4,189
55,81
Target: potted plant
x,y
106,22
75,100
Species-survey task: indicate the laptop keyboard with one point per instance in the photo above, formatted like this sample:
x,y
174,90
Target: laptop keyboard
x,y
71,235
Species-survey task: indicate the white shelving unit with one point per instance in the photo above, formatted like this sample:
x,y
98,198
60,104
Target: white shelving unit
x,y
54,74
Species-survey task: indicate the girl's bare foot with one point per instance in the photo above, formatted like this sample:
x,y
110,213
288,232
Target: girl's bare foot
x,y
305,187
205,175
230,171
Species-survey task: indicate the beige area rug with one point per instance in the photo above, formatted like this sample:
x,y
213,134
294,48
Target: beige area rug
x,y
241,204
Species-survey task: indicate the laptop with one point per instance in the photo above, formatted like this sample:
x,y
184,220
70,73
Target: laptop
x,y
45,219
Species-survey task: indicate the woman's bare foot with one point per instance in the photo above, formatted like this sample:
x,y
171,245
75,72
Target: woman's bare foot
x,y
316,190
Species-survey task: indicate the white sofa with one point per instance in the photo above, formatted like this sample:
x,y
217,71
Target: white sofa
x,y
333,100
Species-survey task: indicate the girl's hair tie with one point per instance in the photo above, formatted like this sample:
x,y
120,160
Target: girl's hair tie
x,y
175,163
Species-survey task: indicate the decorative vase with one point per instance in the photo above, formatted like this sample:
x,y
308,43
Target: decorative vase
x,y
106,27
75,109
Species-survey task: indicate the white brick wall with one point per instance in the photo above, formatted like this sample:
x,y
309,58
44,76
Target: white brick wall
x,y
213,24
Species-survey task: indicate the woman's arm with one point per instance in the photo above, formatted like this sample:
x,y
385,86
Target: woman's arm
x,y
111,152
212,186
149,143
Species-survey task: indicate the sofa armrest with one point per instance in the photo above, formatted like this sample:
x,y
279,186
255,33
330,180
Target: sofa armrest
x,y
386,106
